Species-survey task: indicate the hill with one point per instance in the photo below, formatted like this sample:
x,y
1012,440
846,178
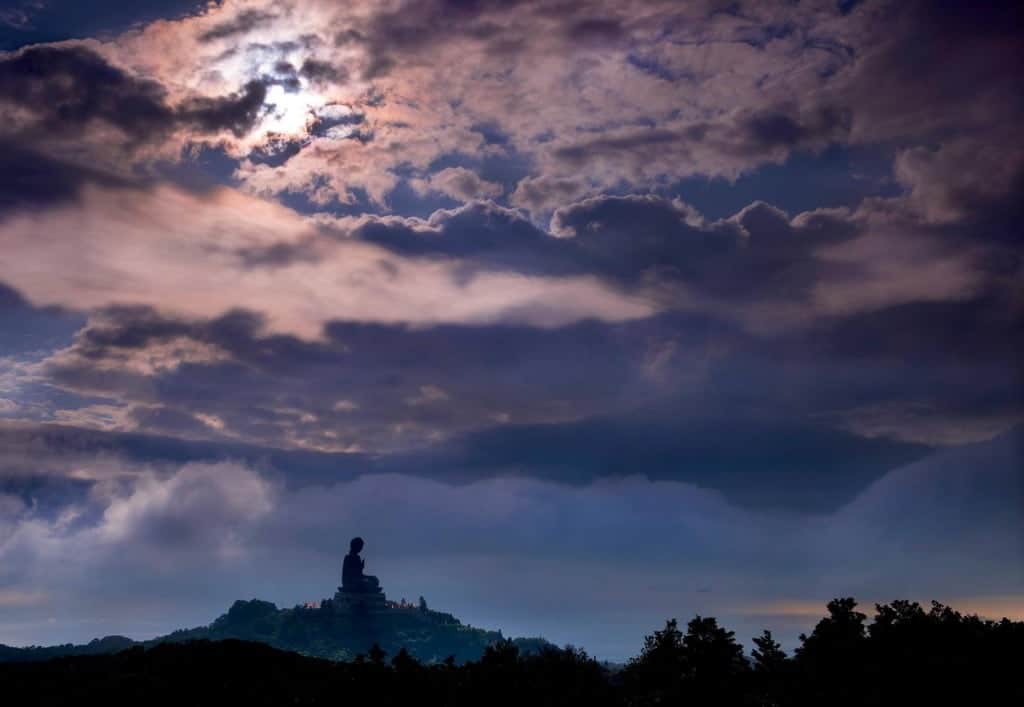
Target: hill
x,y
322,632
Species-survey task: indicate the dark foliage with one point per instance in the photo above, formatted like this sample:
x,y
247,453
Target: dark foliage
x,y
906,656
236,672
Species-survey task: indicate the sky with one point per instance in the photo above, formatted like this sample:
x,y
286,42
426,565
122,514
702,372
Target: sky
x,y
584,315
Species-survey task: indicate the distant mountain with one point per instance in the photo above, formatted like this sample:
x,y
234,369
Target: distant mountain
x,y
97,646
323,632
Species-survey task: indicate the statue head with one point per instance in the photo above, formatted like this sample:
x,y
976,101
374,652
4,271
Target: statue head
x,y
356,545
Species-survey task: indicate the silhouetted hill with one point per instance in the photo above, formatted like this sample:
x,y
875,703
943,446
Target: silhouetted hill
x,y
97,646
323,632
906,656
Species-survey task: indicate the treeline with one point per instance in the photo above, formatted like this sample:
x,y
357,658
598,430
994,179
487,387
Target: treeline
x,y
905,656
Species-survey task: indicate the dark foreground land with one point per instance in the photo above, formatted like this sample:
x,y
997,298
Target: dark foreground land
x,y
905,656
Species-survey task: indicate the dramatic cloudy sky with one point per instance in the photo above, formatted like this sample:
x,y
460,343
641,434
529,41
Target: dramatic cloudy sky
x,y
584,314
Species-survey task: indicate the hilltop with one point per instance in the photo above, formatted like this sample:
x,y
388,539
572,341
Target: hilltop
x,y
322,631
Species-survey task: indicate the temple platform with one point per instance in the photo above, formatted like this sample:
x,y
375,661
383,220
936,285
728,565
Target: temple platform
x,y
347,602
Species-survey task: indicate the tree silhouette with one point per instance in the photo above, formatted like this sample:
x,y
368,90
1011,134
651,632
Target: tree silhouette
x,y
771,671
768,656
656,675
831,659
715,669
377,654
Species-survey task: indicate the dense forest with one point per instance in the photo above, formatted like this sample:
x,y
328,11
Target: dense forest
x,y
906,655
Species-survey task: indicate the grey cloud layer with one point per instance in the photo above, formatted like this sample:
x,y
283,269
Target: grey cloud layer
x,y
858,329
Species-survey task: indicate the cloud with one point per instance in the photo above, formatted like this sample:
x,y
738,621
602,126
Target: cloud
x,y
279,304
282,391
36,180
726,147
322,71
750,459
460,184
572,403
926,93
68,87
964,180
540,194
661,128
637,94
244,22
113,236
69,92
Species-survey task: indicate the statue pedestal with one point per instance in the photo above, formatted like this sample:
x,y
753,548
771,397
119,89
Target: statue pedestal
x,y
347,602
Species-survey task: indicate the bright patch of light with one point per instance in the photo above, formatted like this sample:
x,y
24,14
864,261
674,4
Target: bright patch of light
x,y
289,112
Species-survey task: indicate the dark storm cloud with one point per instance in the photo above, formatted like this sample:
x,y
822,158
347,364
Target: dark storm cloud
x,y
38,460
752,460
596,29
570,405
758,253
67,88
481,231
935,60
412,29
284,390
985,330
244,22
323,72
777,127
363,385
35,180
637,141
942,84
752,136
236,113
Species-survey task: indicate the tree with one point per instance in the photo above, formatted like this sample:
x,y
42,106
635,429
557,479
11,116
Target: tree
x,y
771,671
715,667
656,675
832,660
842,632
502,653
768,656
377,654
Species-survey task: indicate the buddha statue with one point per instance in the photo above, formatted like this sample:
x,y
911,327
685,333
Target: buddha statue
x,y
352,577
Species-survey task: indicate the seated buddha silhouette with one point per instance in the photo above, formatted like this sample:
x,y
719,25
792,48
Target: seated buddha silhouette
x,y
352,577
